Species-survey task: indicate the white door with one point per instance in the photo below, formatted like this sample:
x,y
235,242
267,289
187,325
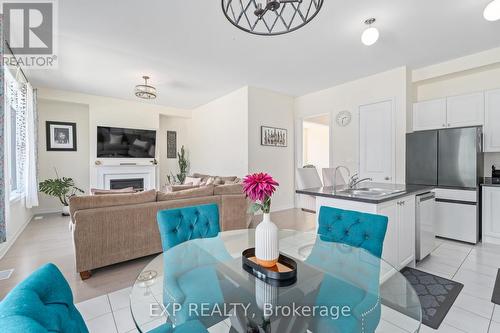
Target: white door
x,y
376,138
491,214
465,110
492,122
406,232
429,115
390,250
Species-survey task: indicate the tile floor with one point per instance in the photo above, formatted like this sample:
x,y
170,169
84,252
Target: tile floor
x,y
474,266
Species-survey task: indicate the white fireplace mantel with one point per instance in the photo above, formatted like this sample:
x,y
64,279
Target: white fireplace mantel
x,y
106,173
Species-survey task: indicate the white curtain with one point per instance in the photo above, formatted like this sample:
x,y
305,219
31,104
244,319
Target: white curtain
x,y
30,166
22,99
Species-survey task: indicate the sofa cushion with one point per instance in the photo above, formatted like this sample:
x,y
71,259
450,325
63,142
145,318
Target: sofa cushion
x,y
204,191
193,180
99,201
96,191
228,189
177,188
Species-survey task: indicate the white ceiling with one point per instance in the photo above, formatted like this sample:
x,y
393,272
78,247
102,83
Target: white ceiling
x,y
194,55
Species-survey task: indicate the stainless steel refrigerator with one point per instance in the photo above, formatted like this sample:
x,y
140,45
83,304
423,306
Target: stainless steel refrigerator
x,y
451,160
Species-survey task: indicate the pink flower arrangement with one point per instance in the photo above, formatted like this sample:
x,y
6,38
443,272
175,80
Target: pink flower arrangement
x,y
259,187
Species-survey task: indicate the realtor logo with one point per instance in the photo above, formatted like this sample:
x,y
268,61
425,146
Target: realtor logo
x,y
30,29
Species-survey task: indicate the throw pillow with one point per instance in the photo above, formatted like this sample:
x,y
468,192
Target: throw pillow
x,y
193,181
177,188
141,144
96,191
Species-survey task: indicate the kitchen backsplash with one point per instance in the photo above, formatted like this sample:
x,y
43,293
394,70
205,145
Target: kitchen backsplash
x,y
489,160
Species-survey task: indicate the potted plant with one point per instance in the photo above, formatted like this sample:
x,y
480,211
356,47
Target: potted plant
x,y
61,188
183,165
260,187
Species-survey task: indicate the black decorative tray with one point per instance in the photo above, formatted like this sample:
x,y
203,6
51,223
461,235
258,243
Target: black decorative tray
x,y
283,274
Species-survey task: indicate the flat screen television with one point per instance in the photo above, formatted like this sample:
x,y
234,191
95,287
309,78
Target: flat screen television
x,y
113,142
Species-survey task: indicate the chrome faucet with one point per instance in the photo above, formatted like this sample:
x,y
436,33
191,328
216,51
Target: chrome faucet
x,y
335,175
354,180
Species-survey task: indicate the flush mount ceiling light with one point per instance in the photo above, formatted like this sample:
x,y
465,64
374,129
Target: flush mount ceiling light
x,y
492,11
370,35
145,91
270,17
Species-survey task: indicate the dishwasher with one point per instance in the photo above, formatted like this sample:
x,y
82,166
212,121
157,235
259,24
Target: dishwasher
x,y
425,220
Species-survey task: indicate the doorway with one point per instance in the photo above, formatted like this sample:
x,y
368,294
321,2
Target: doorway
x,y
316,141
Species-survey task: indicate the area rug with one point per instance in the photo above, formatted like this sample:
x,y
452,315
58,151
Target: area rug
x,y
495,298
436,295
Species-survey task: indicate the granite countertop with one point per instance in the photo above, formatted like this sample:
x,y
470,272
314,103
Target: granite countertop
x,y
403,191
487,181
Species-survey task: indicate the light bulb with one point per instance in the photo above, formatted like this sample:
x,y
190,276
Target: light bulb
x,y
370,36
492,11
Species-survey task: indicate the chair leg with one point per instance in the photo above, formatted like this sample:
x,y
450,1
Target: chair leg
x,y
85,275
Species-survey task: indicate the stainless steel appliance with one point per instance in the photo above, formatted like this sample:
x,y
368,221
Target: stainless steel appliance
x,y
452,161
425,219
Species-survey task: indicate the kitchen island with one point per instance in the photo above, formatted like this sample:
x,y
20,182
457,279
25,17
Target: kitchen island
x,y
397,202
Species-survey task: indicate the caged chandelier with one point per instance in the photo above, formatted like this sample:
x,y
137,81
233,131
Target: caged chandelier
x,y
270,17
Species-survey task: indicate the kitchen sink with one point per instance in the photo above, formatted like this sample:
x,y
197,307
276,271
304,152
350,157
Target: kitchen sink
x,y
369,192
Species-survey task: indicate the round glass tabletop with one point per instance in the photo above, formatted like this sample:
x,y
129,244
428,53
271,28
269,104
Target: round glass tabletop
x,y
201,285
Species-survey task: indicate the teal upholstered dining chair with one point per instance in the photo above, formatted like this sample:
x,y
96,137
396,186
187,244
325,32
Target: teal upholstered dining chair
x,y
357,229
352,273
183,224
190,269
41,303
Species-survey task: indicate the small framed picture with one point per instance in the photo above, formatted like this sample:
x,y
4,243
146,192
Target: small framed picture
x,y
60,136
272,136
171,144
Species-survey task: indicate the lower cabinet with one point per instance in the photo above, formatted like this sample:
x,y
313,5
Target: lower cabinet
x,y
491,215
399,244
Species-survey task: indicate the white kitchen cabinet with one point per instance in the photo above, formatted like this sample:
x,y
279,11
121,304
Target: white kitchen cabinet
x,y
376,146
390,250
491,214
429,115
492,121
465,110
406,223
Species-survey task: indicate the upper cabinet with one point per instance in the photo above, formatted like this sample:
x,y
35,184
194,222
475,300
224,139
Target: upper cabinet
x,y
456,111
492,121
465,110
429,115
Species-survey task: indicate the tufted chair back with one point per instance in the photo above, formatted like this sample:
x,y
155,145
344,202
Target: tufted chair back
x,y
41,303
362,230
183,224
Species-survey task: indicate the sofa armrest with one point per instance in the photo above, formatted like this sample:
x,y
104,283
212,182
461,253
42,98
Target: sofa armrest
x,y
234,212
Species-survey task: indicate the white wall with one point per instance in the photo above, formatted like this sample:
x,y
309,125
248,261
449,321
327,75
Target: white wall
x,y
181,126
73,164
344,141
114,112
469,81
17,217
316,145
219,136
267,108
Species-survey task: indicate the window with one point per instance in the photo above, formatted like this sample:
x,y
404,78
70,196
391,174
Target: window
x,y
15,105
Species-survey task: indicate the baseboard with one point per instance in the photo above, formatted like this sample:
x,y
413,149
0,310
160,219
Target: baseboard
x,y
282,207
8,244
45,211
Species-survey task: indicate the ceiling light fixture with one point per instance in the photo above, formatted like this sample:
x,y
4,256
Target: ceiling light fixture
x,y
370,35
492,11
270,17
145,91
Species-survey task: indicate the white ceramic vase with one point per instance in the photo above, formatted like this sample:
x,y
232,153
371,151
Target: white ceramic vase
x,y
266,242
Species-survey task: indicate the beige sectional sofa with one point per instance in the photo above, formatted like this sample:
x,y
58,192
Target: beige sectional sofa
x,y
108,229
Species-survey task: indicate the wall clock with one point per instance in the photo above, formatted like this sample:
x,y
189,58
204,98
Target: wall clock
x,y
344,118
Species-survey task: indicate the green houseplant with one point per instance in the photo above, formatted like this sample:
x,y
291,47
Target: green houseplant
x,y
61,188
183,165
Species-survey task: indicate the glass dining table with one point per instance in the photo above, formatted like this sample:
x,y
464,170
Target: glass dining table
x,y
338,288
